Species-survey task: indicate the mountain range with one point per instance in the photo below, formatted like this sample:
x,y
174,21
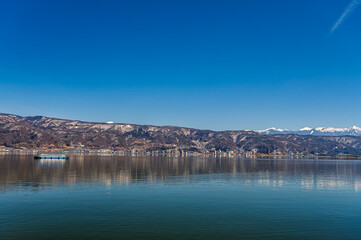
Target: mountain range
x,y
46,132
320,131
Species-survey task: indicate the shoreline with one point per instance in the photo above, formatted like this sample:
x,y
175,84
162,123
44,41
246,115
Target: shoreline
x,y
109,152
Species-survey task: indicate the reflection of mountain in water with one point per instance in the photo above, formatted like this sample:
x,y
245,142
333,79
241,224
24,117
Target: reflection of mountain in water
x,y
20,170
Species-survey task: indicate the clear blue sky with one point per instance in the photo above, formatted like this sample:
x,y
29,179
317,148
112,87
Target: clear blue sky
x,y
248,64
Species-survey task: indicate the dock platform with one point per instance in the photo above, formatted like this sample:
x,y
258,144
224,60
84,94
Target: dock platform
x,y
50,155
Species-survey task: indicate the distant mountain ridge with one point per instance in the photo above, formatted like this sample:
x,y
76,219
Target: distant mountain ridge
x,y
320,131
46,132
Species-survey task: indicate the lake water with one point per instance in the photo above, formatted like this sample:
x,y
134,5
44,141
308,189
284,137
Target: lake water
x,y
92,197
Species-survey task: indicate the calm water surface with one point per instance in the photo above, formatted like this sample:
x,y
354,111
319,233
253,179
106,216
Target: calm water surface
x,y
92,197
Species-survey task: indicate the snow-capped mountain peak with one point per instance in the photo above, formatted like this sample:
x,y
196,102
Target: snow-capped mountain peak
x,y
355,128
305,129
273,130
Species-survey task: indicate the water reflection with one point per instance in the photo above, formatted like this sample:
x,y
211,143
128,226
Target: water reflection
x,y
50,162
22,170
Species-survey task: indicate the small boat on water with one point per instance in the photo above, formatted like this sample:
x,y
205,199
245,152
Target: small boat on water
x,y
50,155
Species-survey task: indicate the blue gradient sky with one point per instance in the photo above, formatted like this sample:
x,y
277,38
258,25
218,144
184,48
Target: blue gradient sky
x,y
248,64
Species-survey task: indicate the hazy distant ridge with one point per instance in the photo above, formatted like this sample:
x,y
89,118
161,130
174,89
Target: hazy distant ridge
x,y
320,131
